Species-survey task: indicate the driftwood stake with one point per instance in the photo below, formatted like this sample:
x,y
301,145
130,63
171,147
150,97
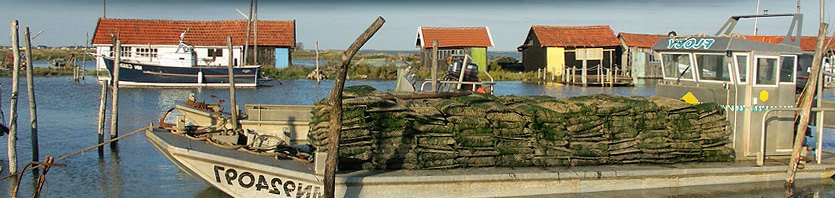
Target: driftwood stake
x,y
805,102
336,104
12,144
30,85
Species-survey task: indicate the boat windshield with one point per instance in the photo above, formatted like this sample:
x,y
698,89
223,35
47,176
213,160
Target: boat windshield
x,y
714,67
677,66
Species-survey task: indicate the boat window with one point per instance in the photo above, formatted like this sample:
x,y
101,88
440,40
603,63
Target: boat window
x,y
742,67
713,67
766,69
126,52
217,52
787,65
677,65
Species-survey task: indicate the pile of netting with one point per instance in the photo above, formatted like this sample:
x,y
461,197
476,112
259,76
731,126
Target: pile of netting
x,y
481,130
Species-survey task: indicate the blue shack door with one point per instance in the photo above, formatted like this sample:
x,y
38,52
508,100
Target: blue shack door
x,y
282,57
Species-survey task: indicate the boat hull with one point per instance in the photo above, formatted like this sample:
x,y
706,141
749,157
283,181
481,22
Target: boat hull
x,y
239,174
140,74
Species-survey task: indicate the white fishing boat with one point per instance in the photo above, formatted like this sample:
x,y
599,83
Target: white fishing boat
x,y
698,69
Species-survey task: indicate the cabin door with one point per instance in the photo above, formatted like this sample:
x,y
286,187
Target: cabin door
x,y
766,92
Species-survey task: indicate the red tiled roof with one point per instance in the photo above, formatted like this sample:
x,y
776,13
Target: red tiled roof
x,y
807,43
640,40
575,36
200,33
454,37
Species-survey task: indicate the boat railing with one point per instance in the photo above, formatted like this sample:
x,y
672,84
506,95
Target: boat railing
x,y
460,82
819,126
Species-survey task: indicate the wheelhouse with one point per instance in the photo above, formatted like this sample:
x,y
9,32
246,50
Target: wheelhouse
x,y
745,76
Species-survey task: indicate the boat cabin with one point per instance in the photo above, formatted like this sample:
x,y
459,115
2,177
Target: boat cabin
x,y
745,76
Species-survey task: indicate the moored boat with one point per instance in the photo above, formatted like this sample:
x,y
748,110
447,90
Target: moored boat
x,y
180,69
237,164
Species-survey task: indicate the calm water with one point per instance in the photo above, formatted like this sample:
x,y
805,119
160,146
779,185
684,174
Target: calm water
x,y
68,115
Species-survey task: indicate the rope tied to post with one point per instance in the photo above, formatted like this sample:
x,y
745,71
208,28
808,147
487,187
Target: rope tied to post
x,y
47,163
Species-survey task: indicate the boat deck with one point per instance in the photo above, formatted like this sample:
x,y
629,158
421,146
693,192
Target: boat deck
x,y
502,181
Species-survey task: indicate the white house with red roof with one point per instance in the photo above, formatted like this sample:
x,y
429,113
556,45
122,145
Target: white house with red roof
x,y
145,40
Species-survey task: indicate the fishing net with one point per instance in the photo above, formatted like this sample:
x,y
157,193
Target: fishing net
x,y
481,130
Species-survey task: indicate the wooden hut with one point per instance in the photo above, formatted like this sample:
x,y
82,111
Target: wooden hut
x,y
557,47
638,57
454,40
145,39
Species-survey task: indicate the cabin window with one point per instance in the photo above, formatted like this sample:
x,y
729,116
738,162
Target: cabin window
x,y
126,52
766,71
742,67
215,53
713,67
787,68
146,52
677,66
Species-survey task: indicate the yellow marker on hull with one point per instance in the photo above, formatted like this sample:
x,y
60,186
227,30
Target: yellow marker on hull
x,y
690,98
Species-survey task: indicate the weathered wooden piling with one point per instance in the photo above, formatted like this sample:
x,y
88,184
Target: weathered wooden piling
x,y
248,29
102,112
12,144
233,108
30,85
805,102
434,65
318,79
114,103
336,104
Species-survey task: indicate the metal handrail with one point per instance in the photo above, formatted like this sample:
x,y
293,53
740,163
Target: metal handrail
x,y
460,83
761,155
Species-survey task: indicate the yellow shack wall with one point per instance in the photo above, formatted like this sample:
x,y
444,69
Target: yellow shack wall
x,y
555,57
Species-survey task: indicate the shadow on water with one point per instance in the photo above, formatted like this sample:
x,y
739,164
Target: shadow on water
x,y
211,192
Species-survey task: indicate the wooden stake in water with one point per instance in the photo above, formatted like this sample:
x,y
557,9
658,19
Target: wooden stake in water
x,y
114,103
335,100
232,105
30,85
318,79
102,111
434,65
12,144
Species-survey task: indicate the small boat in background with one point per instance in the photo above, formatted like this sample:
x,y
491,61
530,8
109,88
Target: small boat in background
x,y
180,69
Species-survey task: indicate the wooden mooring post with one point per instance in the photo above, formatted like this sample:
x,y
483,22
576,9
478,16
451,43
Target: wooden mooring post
x,y
12,144
805,102
102,112
434,68
114,103
335,100
233,106
318,79
30,86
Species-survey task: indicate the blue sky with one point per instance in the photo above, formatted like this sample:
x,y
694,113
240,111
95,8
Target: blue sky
x,y
335,24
